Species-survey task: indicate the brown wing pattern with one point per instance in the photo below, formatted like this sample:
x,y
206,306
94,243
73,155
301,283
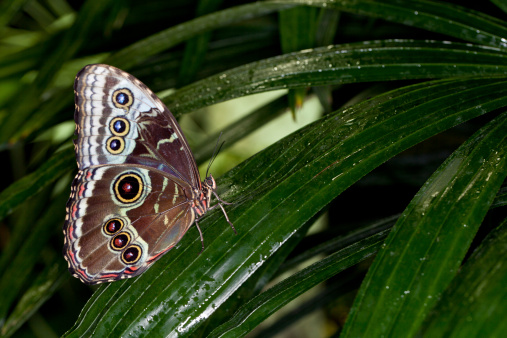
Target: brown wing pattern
x,y
120,120
121,219
135,193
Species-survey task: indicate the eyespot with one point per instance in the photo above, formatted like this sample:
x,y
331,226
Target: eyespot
x,y
119,126
120,241
128,187
113,226
131,255
123,98
115,145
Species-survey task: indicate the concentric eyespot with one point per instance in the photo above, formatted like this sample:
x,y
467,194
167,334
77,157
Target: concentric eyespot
x,y
132,254
115,145
119,126
123,98
120,241
113,226
128,187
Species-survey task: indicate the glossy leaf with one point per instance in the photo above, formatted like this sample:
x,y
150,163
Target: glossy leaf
x,y
272,201
254,285
474,304
425,249
279,192
360,62
261,307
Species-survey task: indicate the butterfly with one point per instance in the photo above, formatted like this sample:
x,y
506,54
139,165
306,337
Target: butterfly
x,y
138,189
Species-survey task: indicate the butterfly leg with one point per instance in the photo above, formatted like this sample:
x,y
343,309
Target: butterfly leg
x,y
200,234
225,214
221,200
227,217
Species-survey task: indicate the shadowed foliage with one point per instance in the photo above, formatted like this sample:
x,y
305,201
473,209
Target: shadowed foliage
x,y
367,173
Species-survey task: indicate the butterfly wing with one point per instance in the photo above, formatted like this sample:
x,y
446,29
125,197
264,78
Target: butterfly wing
x,y
132,199
120,219
120,120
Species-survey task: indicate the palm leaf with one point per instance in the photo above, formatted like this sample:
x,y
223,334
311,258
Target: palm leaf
x,y
403,86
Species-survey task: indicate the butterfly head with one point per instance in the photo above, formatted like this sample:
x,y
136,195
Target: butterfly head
x,y
209,183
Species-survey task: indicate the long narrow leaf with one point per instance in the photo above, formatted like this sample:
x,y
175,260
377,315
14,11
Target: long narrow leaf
x,y
428,243
46,174
275,193
40,290
17,273
474,304
92,11
261,307
360,62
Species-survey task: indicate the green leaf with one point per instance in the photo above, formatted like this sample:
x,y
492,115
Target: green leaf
x,y
40,290
474,304
254,285
431,238
360,62
91,12
278,192
274,194
18,272
262,306
23,189
196,48
439,17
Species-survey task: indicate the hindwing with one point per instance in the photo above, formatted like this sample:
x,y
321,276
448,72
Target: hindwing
x,y
120,219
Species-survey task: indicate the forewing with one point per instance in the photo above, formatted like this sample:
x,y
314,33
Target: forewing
x,y
119,120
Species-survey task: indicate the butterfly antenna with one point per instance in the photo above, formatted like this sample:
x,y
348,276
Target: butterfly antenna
x,y
215,153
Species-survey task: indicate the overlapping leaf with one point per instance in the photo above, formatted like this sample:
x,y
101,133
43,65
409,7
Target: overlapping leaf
x,y
431,238
275,192
186,293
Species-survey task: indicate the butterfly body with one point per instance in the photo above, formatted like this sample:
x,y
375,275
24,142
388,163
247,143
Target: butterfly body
x,y
138,190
